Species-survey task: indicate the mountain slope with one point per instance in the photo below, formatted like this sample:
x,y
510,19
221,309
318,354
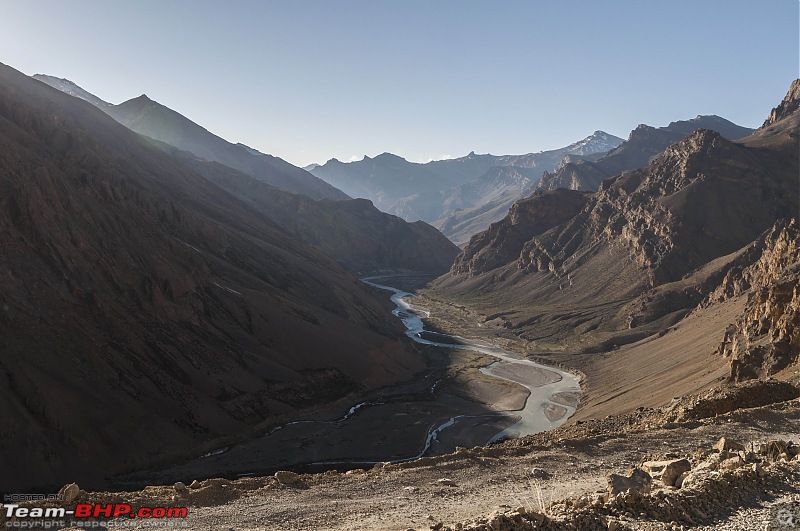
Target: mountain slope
x,y
644,249
352,231
184,307
152,119
643,144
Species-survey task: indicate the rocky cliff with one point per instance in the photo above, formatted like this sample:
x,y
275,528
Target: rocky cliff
x,y
766,337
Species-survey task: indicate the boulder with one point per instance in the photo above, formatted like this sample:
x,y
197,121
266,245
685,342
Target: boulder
x,y
732,464
285,477
639,481
667,471
69,493
726,445
538,473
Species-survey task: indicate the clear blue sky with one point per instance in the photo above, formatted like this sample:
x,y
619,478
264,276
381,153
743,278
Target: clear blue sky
x,y
311,80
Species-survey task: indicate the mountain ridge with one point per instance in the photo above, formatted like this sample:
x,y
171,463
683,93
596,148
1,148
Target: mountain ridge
x,y
150,118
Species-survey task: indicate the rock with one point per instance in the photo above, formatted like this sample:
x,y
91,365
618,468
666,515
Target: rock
x,y
354,471
681,478
732,464
285,477
726,445
521,510
446,482
667,471
180,488
195,484
538,473
69,492
639,481
613,525
695,478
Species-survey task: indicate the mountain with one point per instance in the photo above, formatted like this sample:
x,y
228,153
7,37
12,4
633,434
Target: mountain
x,y
154,120
643,144
352,231
446,186
592,271
492,195
146,312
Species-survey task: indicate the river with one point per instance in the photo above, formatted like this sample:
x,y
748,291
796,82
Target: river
x,y
553,392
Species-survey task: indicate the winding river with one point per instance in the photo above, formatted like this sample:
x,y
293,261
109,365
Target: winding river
x,y
553,393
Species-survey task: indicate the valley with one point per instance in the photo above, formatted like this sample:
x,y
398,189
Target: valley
x,y
603,334
472,393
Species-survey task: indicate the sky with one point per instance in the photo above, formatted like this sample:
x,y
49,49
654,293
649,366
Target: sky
x,y
311,80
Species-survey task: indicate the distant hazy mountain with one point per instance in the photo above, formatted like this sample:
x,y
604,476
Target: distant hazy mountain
x,y
643,144
437,189
152,119
351,231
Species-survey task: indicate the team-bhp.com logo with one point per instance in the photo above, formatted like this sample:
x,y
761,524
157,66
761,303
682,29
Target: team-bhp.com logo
x,y
88,510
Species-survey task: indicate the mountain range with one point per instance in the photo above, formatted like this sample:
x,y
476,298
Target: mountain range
x,y
150,118
443,187
353,232
643,144
709,222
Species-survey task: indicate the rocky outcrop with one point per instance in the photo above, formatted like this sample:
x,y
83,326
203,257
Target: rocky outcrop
x,y
685,209
789,105
505,240
766,338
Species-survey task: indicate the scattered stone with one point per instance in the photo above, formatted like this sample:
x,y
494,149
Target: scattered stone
x,y
285,477
613,525
69,492
354,471
446,482
639,481
195,484
180,488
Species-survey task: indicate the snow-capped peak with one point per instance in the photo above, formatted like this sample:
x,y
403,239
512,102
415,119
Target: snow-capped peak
x,y
597,142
